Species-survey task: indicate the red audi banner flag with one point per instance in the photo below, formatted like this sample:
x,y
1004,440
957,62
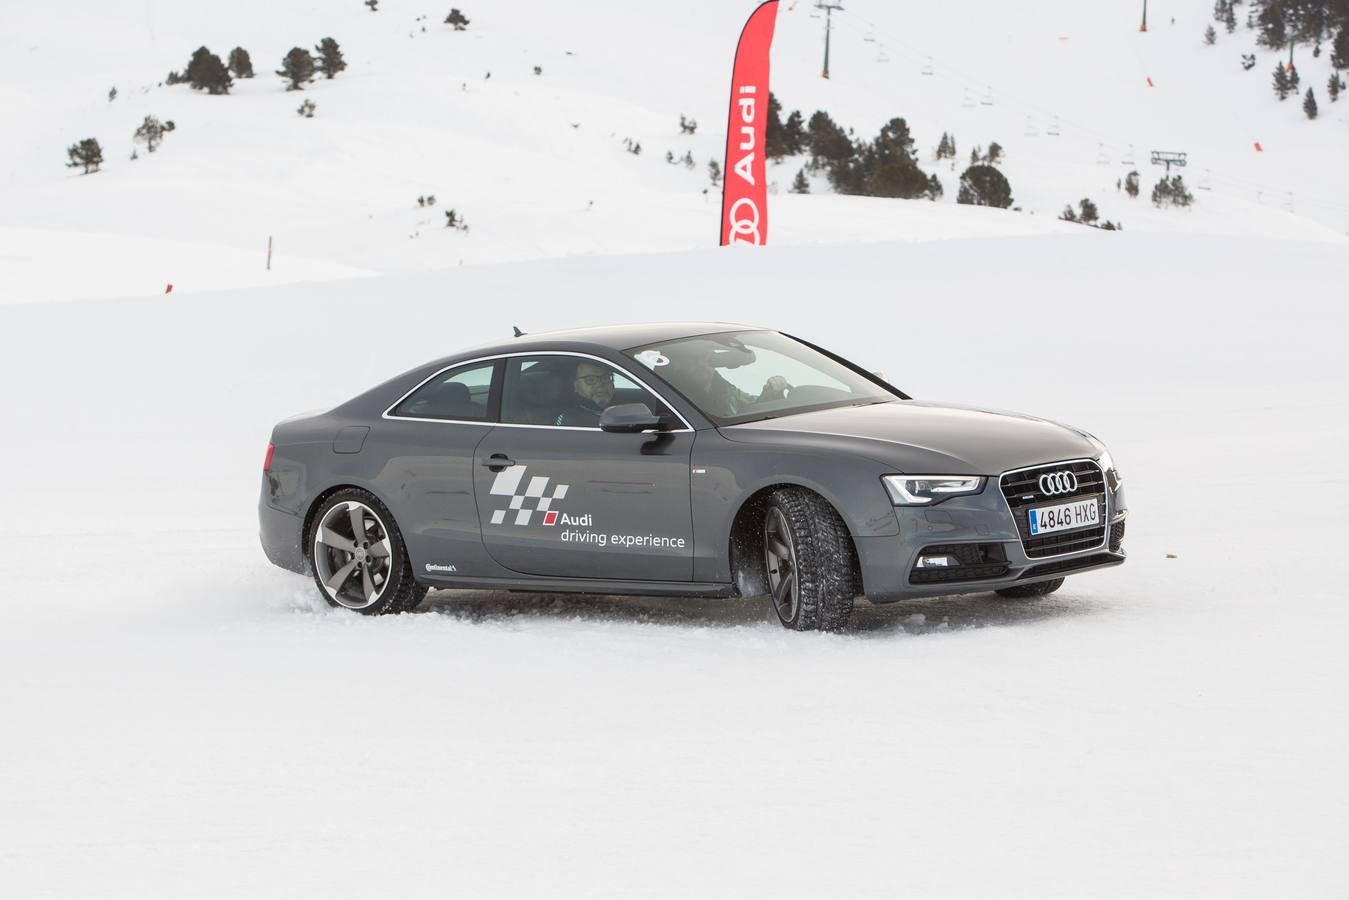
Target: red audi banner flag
x,y
744,190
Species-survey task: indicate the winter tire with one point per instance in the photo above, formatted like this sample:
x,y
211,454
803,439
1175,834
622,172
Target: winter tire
x,y
358,557
810,561
1038,589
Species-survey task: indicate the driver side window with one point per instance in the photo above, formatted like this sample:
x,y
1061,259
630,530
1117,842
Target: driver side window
x,y
567,391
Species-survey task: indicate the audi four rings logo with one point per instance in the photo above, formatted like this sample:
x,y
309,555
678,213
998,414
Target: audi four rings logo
x,y
745,225
1058,483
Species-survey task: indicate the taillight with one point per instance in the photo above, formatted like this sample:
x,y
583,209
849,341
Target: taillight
x,y
267,460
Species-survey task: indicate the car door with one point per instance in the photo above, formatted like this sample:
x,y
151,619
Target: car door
x,y
427,441
572,501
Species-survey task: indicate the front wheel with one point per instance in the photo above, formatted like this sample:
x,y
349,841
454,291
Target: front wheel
x,y
358,556
809,556
1038,589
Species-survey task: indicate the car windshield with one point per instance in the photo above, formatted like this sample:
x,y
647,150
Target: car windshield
x,y
746,376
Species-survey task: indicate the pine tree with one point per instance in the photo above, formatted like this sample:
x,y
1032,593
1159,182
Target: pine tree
x,y
994,155
714,171
1089,213
1131,184
944,146
775,134
330,60
151,132
799,184
1068,214
891,165
1273,28
373,4
240,63
1281,86
1339,51
1309,104
1170,191
298,68
1210,36
1230,19
982,185
87,154
934,188
1334,86
1294,80
307,108
828,143
795,132
687,126
205,72
456,18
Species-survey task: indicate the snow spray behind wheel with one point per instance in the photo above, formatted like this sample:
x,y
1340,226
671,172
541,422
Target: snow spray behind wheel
x,y
744,193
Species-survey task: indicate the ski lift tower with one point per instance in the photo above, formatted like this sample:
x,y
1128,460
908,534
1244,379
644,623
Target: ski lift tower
x,y
1168,159
828,8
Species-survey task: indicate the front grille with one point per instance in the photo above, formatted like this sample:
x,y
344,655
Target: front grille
x,y
1022,491
977,561
1116,536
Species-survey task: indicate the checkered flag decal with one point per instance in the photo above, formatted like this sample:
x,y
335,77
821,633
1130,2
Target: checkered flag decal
x,y
526,502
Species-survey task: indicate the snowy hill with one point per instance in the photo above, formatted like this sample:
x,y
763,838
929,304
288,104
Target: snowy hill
x,y
536,163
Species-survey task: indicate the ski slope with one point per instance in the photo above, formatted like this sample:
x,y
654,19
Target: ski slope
x,y
537,166
183,719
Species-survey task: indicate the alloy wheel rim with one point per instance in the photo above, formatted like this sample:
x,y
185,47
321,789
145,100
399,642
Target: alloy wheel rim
x,y
780,554
352,555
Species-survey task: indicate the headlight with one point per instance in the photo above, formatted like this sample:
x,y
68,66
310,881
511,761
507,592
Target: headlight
x,y
1108,466
925,490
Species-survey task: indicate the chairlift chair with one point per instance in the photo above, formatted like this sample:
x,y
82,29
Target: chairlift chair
x,y
881,55
870,36
1102,158
968,101
1206,183
987,98
1031,130
927,67
1128,158
1053,129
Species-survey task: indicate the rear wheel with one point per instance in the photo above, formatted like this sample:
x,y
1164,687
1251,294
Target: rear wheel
x,y
808,553
358,556
1038,589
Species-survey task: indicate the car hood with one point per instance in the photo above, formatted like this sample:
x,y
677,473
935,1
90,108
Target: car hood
x,y
927,438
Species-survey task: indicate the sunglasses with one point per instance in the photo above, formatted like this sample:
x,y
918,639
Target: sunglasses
x,y
595,380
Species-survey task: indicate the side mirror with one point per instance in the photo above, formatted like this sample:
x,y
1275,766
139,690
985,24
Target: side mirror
x,y
629,418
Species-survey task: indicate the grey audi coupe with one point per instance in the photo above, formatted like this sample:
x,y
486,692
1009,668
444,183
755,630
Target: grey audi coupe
x,y
699,460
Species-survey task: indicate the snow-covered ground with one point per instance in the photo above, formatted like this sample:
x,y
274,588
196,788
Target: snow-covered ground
x,y
182,719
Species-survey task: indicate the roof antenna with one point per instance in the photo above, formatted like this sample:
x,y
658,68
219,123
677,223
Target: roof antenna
x,y
518,332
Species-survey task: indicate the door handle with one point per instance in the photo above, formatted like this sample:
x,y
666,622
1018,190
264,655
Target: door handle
x,y
498,461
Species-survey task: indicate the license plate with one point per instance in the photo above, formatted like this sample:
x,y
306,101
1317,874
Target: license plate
x,y
1064,516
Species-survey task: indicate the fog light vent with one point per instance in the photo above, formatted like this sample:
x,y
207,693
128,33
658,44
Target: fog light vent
x,y
958,562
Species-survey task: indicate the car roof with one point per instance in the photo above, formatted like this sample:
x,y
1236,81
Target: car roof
x,y
600,338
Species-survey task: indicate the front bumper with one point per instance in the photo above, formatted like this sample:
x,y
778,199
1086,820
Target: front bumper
x,y
982,531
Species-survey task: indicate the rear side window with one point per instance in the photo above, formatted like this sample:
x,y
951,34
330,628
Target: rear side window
x,y
573,391
464,393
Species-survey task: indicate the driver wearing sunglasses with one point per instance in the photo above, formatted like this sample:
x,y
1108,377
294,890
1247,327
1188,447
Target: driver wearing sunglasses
x,y
593,391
